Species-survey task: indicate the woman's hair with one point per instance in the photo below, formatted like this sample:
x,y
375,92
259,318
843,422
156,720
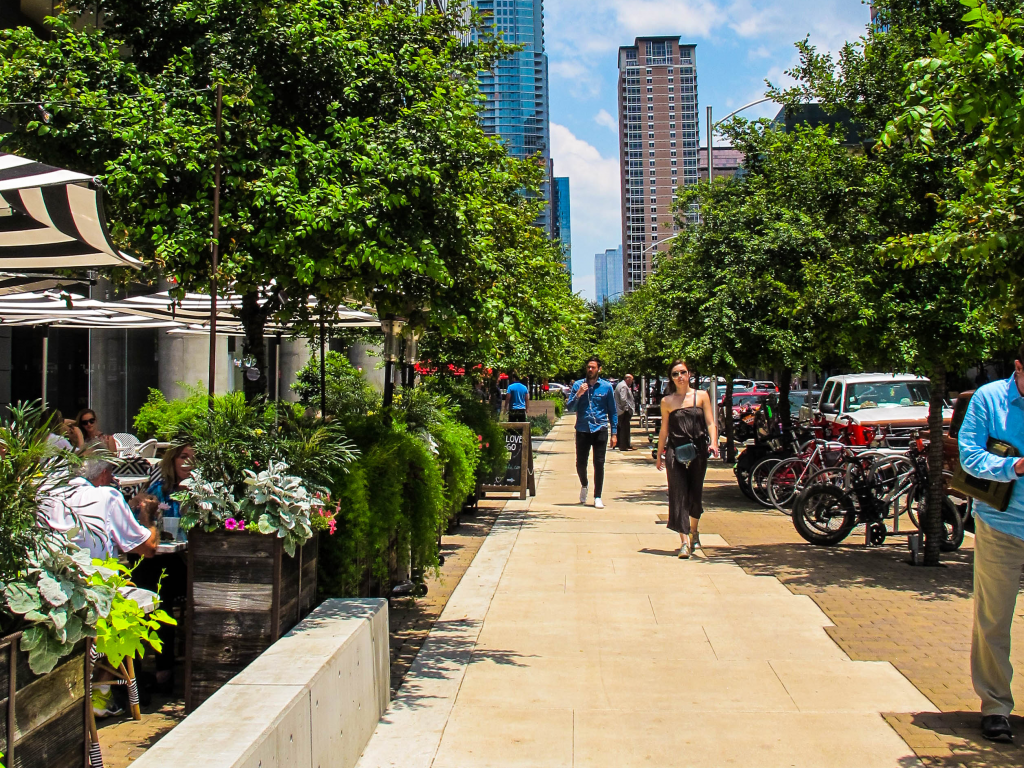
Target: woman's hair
x,y
671,381
81,413
53,418
168,476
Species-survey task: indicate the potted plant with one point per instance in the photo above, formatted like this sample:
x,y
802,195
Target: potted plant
x,y
252,523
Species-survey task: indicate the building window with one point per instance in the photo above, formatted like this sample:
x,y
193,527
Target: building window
x,y
650,135
671,88
671,125
672,144
648,72
673,163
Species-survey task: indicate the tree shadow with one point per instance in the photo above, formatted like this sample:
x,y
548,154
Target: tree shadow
x,y
960,734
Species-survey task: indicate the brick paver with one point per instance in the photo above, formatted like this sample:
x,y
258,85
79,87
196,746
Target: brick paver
x,y
884,609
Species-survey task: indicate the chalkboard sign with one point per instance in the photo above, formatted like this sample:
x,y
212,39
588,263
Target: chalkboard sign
x,y
518,474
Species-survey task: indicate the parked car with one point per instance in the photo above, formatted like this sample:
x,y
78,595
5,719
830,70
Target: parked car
x,y
765,386
897,403
801,407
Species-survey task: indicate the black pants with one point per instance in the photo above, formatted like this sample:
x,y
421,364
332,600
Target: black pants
x,y
584,442
623,431
517,414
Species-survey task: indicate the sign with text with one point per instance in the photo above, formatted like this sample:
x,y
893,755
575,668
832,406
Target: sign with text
x,y
518,473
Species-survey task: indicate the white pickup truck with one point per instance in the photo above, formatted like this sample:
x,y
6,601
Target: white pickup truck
x,y
899,402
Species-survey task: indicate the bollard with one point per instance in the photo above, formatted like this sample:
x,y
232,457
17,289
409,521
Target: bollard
x,y
914,542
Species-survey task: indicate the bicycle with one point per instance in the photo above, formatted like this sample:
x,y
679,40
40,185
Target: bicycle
x,y
825,513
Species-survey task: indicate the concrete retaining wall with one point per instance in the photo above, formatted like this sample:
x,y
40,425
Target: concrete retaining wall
x,y
311,700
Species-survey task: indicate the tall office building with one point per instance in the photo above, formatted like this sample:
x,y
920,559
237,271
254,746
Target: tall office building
x,y
562,229
659,136
608,275
517,90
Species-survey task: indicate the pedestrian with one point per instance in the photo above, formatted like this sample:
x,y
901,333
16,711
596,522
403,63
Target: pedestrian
x,y
625,405
91,432
687,427
595,413
517,397
996,414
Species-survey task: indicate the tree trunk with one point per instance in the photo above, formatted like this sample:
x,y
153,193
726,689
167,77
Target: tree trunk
x,y
932,523
254,319
730,440
784,382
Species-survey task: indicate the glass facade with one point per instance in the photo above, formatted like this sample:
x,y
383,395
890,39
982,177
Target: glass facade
x,y
608,275
516,91
562,225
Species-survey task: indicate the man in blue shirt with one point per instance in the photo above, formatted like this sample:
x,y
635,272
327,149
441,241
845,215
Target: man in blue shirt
x,y
517,396
996,411
596,417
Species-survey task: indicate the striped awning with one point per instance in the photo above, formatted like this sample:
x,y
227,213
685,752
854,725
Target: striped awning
x,y
51,218
69,310
11,282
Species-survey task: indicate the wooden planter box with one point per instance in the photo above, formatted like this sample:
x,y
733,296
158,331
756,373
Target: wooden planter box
x,y
244,592
48,717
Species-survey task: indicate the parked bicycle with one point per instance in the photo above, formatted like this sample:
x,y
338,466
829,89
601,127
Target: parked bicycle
x,y
870,492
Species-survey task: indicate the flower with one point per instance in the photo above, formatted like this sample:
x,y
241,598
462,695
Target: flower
x,y
332,527
230,524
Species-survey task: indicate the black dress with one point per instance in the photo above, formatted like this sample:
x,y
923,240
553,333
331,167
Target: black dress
x,y
686,481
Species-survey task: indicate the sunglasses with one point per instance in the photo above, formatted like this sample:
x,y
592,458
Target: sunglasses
x,y
87,422
678,374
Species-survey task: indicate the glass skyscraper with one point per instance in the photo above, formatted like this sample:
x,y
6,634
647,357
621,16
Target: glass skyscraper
x,y
562,227
608,275
517,90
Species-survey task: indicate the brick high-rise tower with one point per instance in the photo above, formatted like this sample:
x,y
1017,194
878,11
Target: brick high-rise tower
x,y
659,139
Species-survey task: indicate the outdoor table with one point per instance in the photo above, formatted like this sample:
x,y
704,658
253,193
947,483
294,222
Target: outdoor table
x,y
171,547
132,481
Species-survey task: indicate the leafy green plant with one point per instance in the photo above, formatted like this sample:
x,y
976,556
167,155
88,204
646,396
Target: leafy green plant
x,y
279,504
540,425
206,503
60,598
123,631
162,418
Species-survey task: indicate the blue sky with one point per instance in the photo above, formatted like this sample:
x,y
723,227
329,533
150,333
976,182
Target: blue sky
x,y
739,44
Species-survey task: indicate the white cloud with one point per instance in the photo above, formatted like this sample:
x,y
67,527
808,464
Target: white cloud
x,y
604,118
594,200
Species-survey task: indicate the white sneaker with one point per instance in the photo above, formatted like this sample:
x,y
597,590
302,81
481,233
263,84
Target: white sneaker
x,y
583,494
598,504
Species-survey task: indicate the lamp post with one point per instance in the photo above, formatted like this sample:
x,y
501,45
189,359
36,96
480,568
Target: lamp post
x,y
392,327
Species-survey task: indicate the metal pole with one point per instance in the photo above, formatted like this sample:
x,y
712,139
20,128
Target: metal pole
x,y
323,369
46,359
711,149
277,370
215,253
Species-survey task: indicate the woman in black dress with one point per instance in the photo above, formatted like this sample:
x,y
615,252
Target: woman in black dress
x,y
687,416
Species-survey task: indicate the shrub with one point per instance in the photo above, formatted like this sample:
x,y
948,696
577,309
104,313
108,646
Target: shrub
x,y
540,425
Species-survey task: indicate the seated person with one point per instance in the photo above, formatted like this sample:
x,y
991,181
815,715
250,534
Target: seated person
x,y
107,527
91,432
175,467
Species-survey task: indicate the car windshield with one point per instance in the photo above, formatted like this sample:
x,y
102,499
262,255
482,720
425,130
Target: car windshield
x,y
886,394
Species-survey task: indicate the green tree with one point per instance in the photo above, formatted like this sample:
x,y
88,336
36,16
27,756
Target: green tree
x,y
354,162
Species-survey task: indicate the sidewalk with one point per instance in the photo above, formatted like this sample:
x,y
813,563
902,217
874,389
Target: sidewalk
x,y
577,638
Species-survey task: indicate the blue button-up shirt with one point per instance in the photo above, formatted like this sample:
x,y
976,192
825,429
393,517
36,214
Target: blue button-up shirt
x,y
595,409
996,410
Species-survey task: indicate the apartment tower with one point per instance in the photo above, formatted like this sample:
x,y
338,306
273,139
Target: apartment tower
x,y
516,91
561,218
659,135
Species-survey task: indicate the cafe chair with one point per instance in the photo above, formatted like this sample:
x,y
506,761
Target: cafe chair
x,y
126,444
147,449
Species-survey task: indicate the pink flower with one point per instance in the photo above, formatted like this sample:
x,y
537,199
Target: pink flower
x,y
332,527
230,524
255,463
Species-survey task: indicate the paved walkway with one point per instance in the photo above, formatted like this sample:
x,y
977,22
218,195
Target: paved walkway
x,y
576,638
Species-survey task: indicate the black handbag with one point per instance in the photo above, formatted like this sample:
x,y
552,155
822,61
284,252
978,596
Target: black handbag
x,y
686,453
991,492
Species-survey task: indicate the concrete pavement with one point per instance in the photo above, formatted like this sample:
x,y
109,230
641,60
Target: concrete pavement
x,y
577,638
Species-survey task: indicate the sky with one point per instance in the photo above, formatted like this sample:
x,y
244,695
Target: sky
x,y
740,43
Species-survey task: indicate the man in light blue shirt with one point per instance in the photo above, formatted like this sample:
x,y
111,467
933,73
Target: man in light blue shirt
x,y
517,396
996,411
595,413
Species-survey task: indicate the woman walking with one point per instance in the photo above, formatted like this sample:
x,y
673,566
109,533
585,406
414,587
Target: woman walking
x,y
689,433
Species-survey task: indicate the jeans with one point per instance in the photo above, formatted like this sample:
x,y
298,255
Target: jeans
x,y
998,559
623,431
584,441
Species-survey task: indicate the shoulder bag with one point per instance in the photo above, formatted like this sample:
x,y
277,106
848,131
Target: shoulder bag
x,y
991,492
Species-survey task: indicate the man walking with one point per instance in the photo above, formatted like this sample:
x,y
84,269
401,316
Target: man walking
x,y
517,397
595,411
996,414
625,405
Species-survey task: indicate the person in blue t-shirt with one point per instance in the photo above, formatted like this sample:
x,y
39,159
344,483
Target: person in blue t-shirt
x,y
517,396
596,417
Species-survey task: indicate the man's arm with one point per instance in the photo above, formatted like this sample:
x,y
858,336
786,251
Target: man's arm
x,y
613,415
572,393
129,534
973,442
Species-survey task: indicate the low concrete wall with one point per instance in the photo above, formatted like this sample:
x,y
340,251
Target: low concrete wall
x,y
537,407
311,700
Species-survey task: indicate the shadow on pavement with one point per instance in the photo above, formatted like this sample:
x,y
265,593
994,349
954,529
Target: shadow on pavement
x,y
953,740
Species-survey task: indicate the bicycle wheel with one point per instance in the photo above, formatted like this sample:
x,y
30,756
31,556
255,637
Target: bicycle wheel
x,y
952,522
824,515
827,476
759,481
787,479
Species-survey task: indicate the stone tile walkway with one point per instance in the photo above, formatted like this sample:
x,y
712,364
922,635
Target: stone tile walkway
x,y
577,638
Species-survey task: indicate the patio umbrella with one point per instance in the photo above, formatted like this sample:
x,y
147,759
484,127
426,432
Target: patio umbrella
x,y
51,218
